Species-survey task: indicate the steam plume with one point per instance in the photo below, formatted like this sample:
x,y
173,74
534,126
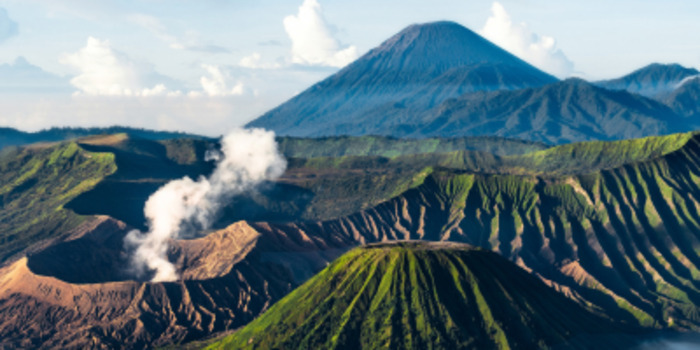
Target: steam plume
x,y
183,207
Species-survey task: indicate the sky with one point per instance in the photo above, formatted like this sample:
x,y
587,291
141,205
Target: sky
x,y
207,66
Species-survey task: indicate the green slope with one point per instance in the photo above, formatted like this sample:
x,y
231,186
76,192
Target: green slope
x,y
314,188
36,183
355,173
625,240
343,185
382,146
426,296
48,189
616,225
310,190
582,157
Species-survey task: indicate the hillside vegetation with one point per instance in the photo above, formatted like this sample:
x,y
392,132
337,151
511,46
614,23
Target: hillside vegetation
x,y
617,232
37,182
623,240
381,146
426,296
314,188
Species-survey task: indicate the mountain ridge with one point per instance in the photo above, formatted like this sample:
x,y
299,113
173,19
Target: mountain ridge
x,y
654,80
571,110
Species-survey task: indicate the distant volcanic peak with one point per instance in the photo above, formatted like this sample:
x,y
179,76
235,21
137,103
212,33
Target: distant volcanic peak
x,y
420,67
442,44
443,31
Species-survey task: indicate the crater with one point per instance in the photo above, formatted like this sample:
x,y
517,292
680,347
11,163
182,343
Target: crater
x,y
93,256
98,254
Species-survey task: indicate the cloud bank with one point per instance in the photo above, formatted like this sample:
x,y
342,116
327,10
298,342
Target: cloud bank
x,y
539,50
184,207
104,71
254,61
204,115
8,27
217,83
312,38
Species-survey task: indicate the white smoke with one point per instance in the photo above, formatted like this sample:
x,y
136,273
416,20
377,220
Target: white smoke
x,y
183,207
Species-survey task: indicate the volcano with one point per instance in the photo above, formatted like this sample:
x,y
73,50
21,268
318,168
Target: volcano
x,y
420,295
422,66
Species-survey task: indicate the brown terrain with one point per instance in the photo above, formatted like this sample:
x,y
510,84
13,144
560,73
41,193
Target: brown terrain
x,y
77,294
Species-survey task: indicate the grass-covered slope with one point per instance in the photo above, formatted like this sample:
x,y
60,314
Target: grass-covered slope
x,y
382,146
143,166
317,177
35,184
625,240
426,296
338,186
613,225
47,189
591,156
314,188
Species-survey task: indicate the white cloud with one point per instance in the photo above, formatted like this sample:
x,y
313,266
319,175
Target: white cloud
x,y
104,71
254,61
195,112
205,115
312,39
218,83
8,27
517,38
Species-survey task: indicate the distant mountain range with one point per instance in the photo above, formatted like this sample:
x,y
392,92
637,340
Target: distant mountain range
x,y
562,112
443,80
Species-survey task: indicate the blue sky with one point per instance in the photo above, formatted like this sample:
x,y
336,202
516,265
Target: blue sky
x,y
209,65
